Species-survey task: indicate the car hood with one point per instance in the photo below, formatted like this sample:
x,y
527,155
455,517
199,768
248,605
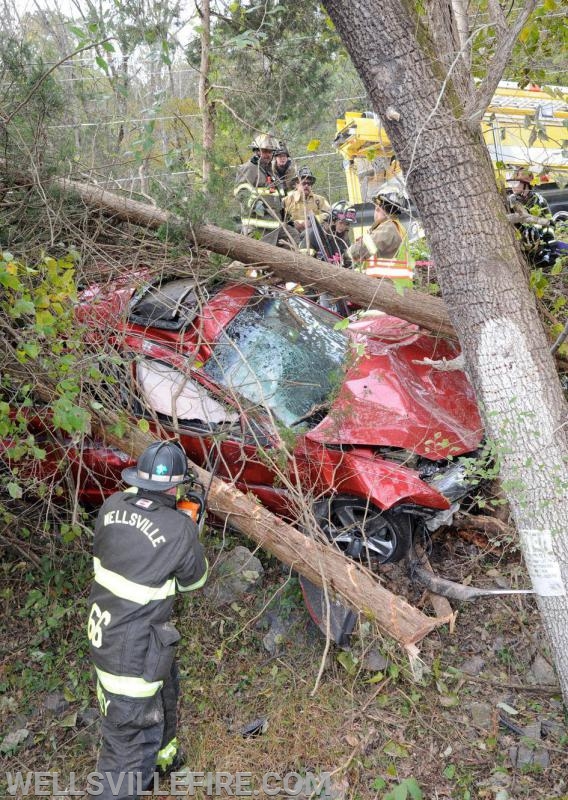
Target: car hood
x,y
392,397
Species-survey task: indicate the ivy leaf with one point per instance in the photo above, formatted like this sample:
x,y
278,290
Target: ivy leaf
x,y
14,490
347,661
22,307
69,417
394,749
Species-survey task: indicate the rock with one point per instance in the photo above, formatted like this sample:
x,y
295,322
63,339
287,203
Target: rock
x,y
523,756
482,715
542,672
275,637
374,660
56,704
88,716
550,727
13,740
237,573
473,666
533,731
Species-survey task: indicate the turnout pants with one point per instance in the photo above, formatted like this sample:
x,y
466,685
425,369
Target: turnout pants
x,y
138,735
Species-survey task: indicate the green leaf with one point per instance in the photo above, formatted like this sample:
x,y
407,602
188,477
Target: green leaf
x,y
78,31
313,145
400,792
143,425
395,749
69,721
341,324
10,281
450,771
14,490
69,417
108,47
414,789
22,307
400,284
378,784
102,63
347,661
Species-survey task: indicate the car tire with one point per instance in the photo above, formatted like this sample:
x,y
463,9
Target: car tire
x,y
362,531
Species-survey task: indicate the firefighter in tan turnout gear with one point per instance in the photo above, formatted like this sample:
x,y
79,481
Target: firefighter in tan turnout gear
x,y
383,250
145,550
257,190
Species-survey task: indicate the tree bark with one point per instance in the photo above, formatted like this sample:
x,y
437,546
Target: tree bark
x,y
483,279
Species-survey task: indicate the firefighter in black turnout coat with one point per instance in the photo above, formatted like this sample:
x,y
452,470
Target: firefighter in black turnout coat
x,y
144,551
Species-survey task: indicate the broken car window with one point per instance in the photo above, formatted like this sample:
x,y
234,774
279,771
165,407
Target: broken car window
x,y
282,353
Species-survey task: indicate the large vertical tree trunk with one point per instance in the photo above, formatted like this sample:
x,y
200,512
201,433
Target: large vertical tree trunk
x,y
483,279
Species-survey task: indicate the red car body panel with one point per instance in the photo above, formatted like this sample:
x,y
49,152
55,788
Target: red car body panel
x,y
389,399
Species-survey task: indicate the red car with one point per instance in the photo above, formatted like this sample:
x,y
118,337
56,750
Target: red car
x,y
262,387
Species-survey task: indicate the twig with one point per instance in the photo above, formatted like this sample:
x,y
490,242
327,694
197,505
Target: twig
x,y
486,90
45,75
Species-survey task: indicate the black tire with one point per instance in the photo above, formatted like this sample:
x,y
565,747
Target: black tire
x,y
362,531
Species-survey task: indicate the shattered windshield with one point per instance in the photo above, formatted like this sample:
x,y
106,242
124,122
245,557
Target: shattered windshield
x,y
282,353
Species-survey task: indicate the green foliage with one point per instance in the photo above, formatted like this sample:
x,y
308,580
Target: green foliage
x,y
407,789
40,333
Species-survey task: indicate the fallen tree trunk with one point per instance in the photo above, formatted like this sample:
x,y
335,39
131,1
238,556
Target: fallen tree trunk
x,y
417,307
318,562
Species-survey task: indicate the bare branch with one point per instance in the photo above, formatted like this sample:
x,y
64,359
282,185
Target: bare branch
x,y
488,85
40,80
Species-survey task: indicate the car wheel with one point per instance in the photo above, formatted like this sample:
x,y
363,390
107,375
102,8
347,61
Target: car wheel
x,y
362,531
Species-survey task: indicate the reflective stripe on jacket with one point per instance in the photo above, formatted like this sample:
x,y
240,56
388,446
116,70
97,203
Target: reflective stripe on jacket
x,y
144,551
399,266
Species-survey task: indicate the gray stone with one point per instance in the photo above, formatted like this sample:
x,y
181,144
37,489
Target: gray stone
x,y
523,756
533,731
88,716
473,666
482,715
542,671
275,637
56,704
550,727
236,574
13,740
374,660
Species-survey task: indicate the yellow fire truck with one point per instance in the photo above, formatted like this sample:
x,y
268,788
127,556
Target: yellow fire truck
x,y
521,127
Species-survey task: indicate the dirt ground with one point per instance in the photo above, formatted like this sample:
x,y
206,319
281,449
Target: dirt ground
x,y
484,720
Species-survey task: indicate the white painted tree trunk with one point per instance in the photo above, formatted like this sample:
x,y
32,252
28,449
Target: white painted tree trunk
x,y
484,283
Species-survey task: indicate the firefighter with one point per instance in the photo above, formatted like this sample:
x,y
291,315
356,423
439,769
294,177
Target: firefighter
x,y
145,550
524,194
257,190
383,251
303,201
538,239
283,169
329,240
